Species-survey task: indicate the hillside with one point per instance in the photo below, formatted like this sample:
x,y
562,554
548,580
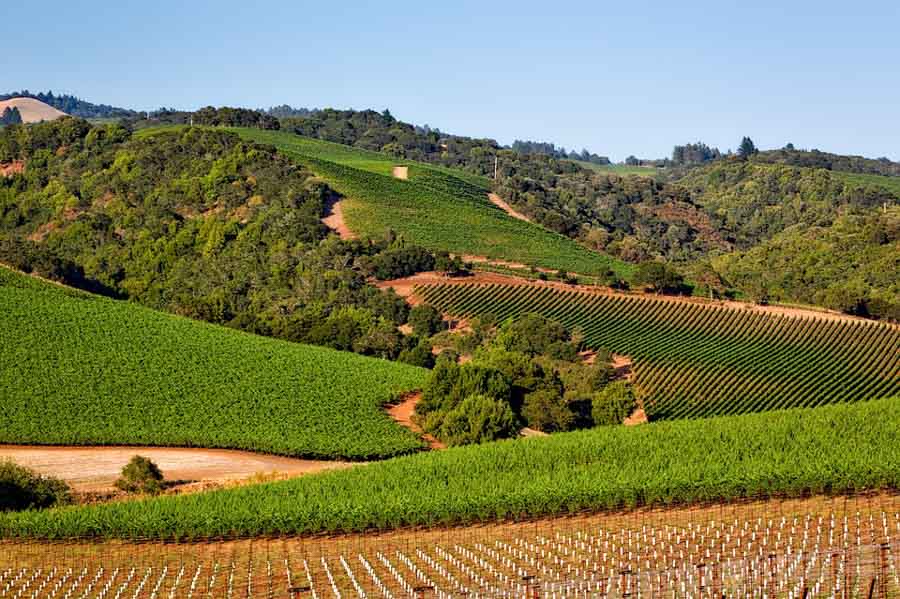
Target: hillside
x,y
436,207
692,360
31,110
79,369
198,223
834,449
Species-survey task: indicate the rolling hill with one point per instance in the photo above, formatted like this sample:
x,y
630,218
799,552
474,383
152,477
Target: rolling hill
x,y
80,369
439,208
32,111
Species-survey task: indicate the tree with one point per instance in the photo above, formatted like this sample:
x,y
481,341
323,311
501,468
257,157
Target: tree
x,y
546,410
140,475
659,277
477,419
613,404
11,116
425,320
747,148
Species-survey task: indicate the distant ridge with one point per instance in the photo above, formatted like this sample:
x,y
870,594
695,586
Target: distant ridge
x,y
72,105
32,111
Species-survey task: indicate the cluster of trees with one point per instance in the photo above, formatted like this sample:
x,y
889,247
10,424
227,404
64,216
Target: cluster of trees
x,y
285,111
526,372
791,156
10,116
73,105
851,265
199,223
549,149
696,153
224,116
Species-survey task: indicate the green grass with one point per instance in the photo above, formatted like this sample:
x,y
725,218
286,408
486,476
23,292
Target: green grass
x,y
86,370
439,208
833,449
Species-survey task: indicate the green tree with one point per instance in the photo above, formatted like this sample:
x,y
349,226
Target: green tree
x,y
613,404
747,148
477,419
546,410
659,277
425,320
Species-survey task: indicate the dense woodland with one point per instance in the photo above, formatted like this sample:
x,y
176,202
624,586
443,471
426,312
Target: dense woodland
x,y
202,224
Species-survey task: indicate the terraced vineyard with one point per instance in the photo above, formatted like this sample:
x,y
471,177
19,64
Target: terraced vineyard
x,y
439,208
86,370
692,360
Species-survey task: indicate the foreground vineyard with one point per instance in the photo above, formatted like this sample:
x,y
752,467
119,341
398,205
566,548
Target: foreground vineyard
x,y
840,448
86,370
437,208
693,360
817,547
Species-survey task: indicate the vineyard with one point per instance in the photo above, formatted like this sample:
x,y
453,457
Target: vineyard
x,y
816,547
437,207
86,370
692,360
834,449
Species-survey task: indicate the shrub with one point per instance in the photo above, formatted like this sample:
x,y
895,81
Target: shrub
x,y
613,404
23,489
545,410
425,320
418,355
478,418
141,475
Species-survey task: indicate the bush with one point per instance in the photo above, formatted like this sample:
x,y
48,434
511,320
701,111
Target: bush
x,y
478,419
141,475
23,489
613,404
659,277
418,355
425,320
545,410
401,262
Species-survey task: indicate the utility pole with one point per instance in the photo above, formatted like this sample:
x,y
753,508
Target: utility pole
x,y
496,165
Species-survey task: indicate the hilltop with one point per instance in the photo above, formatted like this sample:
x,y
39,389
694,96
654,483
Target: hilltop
x,y
31,110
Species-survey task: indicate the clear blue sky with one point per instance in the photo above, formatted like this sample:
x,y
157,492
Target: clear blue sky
x,y
617,77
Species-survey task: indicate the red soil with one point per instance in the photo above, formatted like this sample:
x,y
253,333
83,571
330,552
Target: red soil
x,y
500,203
334,220
402,413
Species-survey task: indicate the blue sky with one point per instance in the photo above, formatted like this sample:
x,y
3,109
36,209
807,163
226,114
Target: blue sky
x,y
617,78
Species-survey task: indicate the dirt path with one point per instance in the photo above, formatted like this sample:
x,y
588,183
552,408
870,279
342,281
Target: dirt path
x,y
404,287
334,220
402,414
94,469
400,172
500,203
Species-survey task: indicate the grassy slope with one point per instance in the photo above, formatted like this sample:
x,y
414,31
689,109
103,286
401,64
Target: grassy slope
x,y
81,369
831,449
437,207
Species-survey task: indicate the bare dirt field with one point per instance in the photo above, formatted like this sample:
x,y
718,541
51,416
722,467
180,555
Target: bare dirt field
x,y
400,172
334,220
32,110
94,469
500,203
